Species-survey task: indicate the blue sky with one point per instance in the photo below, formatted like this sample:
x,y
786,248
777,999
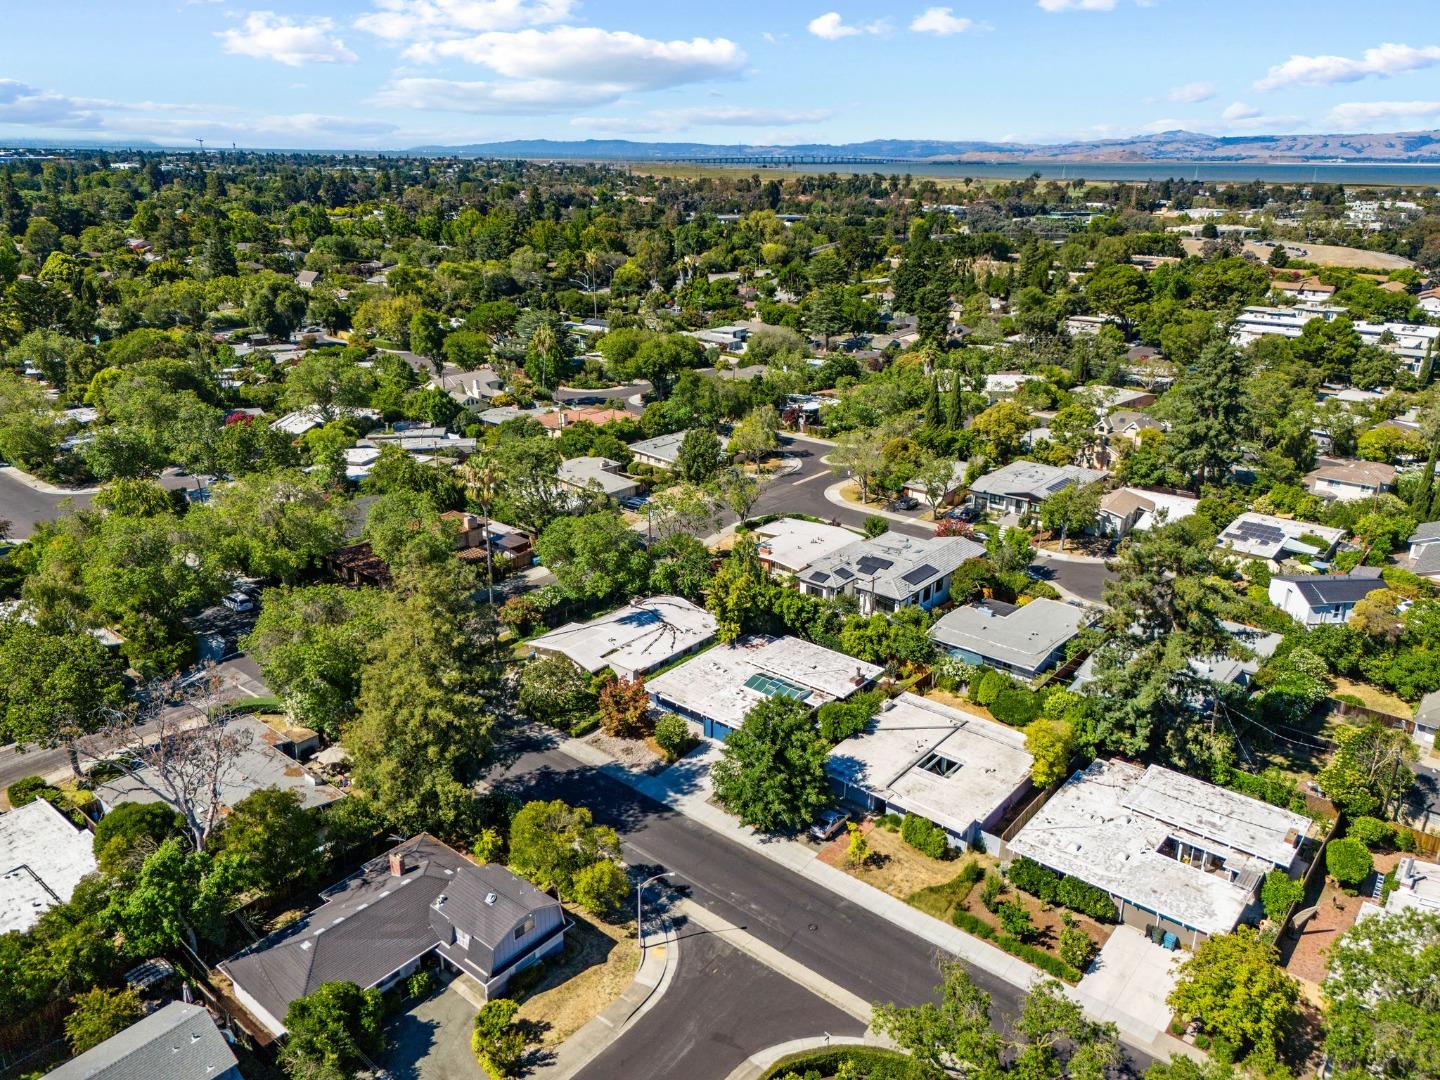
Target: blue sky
x,y
398,73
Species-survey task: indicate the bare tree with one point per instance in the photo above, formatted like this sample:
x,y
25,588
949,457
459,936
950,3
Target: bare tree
x,y
182,745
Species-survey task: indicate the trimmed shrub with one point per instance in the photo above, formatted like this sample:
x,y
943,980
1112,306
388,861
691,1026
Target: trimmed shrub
x,y
1077,948
890,822
1279,893
672,735
1015,920
1372,832
990,895
26,790
419,984
1015,706
1348,861
1031,954
1029,876
987,685
1087,899
973,924
870,1062
924,836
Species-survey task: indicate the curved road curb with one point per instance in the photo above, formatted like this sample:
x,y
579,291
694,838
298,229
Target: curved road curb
x,y
36,484
657,971
755,1065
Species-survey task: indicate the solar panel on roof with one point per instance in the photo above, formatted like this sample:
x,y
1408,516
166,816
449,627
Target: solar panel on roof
x,y
923,572
871,564
843,573
1056,485
819,575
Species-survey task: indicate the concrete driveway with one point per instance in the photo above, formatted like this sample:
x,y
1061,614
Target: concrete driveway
x,y
1132,976
432,1040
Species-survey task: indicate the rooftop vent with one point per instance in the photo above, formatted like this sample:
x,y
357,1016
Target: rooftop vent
x,y
490,898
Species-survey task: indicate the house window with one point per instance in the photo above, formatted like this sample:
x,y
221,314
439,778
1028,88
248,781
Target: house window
x,y
526,925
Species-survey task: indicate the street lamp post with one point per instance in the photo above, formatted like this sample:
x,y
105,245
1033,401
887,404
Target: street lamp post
x,y
639,916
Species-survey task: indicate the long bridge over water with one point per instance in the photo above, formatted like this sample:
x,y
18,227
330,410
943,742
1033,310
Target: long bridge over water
x,y
777,159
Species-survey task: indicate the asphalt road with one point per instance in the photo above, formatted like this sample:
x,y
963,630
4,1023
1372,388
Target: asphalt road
x,y
839,940
24,507
240,673
803,492
721,1007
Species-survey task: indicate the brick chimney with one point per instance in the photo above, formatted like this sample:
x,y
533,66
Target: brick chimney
x,y
397,864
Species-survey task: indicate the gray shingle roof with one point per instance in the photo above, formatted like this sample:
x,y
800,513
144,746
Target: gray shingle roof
x,y
178,1042
895,561
1318,589
374,923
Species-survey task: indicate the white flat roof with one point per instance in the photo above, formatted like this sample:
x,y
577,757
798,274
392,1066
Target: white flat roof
x,y
794,543
42,857
1099,827
713,684
634,638
885,758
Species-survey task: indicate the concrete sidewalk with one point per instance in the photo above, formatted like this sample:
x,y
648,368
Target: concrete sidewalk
x,y
45,488
657,969
685,787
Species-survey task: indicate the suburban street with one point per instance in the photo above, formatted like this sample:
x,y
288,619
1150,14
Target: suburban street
x,y
25,507
721,1007
241,678
838,940
803,492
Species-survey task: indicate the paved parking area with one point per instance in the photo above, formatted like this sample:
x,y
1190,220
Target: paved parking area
x,y
1132,975
432,1040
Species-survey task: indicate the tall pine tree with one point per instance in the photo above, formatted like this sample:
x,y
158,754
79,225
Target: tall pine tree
x,y
1209,417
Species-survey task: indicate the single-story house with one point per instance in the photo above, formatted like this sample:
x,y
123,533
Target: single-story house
x,y
1265,536
300,421
600,474
1024,640
257,765
503,414
917,756
1022,485
508,547
1004,385
953,488
1311,290
890,571
662,451
1102,397
1347,480
789,545
1078,325
1427,721
42,858
472,388
1417,886
631,640
420,898
1425,550
306,279
177,1042
1130,509
557,421
1313,599
1171,850
730,338
717,688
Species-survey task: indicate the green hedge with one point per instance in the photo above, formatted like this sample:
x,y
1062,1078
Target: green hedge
x,y
1031,954
874,1063
257,705
1016,706
924,836
1039,881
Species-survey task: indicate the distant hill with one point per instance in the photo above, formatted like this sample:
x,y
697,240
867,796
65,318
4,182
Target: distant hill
x,y
1408,146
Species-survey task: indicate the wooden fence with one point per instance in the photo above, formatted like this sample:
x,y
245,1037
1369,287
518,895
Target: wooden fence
x,y
1362,712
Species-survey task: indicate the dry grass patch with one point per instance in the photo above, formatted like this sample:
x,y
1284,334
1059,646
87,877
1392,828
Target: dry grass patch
x,y
894,866
597,964
1372,697
964,704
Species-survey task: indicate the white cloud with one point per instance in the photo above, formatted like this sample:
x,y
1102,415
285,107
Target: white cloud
x,y
588,57
412,20
669,120
1383,61
940,20
1239,111
1077,5
267,36
1362,113
1193,93
831,27
526,97
30,106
